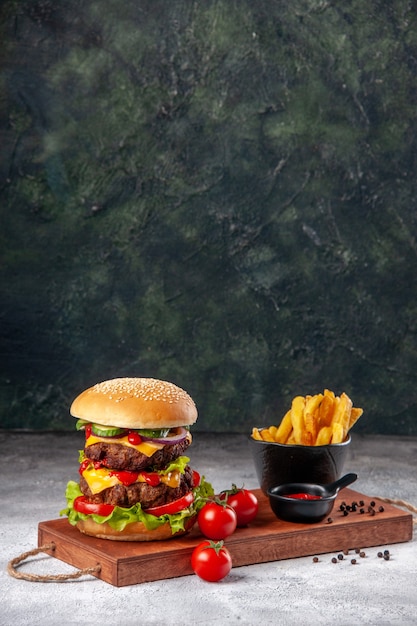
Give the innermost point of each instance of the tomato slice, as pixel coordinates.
(196, 479)
(172, 507)
(82, 505)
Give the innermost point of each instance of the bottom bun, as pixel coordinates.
(136, 531)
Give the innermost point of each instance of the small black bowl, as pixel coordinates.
(279, 463)
(299, 510)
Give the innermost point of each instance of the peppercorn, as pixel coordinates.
(340, 557)
(381, 509)
(362, 511)
(345, 513)
(362, 554)
(372, 503)
(334, 560)
(380, 555)
(386, 557)
(315, 559)
(329, 520)
(353, 561)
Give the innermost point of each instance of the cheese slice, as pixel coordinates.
(100, 479)
(148, 448)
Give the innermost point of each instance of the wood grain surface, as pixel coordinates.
(266, 539)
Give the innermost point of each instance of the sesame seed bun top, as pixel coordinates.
(135, 403)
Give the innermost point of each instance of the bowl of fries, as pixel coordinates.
(310, 444)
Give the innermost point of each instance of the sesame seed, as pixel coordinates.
(147, 389)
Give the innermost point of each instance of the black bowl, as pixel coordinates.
(279, 463)
(300, 510)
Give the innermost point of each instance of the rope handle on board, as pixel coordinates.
(11, 568)
(12, 565)
(403, 503)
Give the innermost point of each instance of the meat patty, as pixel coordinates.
(147, 495)
(120, 457)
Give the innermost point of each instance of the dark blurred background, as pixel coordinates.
(221, 194)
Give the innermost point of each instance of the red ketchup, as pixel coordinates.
(303, 496)
(128, 478)
(125, 477)
(134, 438)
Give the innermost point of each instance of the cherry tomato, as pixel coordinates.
(211, 561)
(172, 507)
(244, 502)
(82, 505)
(217, 520)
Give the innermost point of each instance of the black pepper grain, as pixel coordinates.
(334, 560)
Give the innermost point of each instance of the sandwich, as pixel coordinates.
(135, 482)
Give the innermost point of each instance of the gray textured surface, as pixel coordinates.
(35, 469)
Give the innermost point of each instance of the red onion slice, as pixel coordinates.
(179, 436)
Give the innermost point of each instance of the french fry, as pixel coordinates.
(284, 429)
(354, 416)
(324, 436)
(266, 435)
(319, 419)
(310, 419)
(297, 417)
(273, 432)
(256, 434)
(338, 433)
(326, 410)
(342, 413)
(307, 437)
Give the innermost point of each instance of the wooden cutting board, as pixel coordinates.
(266, 539)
